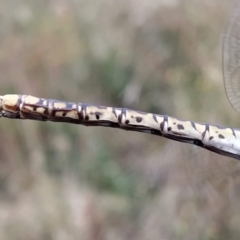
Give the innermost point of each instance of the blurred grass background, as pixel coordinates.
(62, 181)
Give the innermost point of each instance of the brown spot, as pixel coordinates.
(169, 129)
(180, 127)
(221, 136)
(132, 116)
(211, 138)
(174, 123)
(64, 114)
(97, 114)
(139, 119)
(127, 121)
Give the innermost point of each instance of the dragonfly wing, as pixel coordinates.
(231, 60)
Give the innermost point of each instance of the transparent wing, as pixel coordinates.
(231, 60)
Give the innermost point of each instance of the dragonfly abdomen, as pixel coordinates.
(225, 141)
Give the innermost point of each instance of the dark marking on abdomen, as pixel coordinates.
(193, 125)
(155, 118)
(97, 115)
(233, 133)
(165, 119)
(82, 112)
(138, 119)
(180, 127)
(114, 112)
(221, 136)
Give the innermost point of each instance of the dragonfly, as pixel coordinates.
(215, 138)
